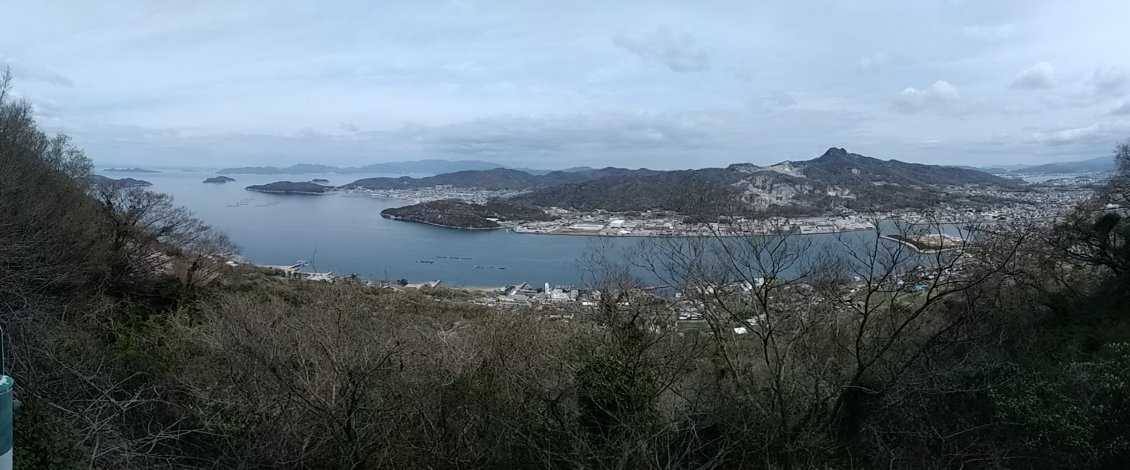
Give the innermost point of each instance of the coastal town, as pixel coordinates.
(1041, 201)
(963, 206)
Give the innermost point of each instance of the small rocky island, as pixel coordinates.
(458, 214)
(219, 179)
(291, 187)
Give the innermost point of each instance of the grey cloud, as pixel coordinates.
(873, 62)
(675, 49)
(744, 74)
(1110, 80)
(1122, 108)
(218, 73)
(940, 93)
(48, 109)
(656, 140)
(514, 135)
(23, 72)
(1097, 134)
(1041, 75)
(995, 32)
(777, 100)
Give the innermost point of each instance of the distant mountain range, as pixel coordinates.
(1094, 165)
(836, 179)
(130, 170)
(416, 167)
(494, 179)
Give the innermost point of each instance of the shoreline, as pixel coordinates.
(911, 244)
(407, 219)
(720, 235)
(300, 193)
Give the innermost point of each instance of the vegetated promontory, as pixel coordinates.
(464, 215)
(291, 187)
(835, 180)
(219, 179)
(123, 182)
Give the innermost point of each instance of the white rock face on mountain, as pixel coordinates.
(767, 188)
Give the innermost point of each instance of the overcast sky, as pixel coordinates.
(556, 84)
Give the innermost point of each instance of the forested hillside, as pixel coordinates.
(135, 344)
(835, 180)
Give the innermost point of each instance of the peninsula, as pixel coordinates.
(122, 182)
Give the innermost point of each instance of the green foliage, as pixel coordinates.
(616, 395)
(1074, 415)
(44, 440)
(291, 187)
(140, 343)
(459, 214)
(104, 290)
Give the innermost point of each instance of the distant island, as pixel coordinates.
(126, 182)
(291, 187)
(421, 166)
(320, 180)
(130, 170)
(463, 215)
(219, 179)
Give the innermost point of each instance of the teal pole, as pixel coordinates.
(6, 384)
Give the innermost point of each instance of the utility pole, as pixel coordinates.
(6, 384)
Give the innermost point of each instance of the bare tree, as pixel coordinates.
(150, 235)
(810, 334)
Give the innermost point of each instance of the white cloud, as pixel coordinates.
(1041, 75)
(940, 93)
(994, 32)
(873, 62)
(675, 49)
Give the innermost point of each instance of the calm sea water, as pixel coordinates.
(346, 234)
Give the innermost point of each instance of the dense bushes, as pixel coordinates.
(135, 346)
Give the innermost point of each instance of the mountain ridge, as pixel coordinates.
(1091, 165)
(836, 180)
(416, 166)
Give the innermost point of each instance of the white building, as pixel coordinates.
(588, 227)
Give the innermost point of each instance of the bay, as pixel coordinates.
(344, 233)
